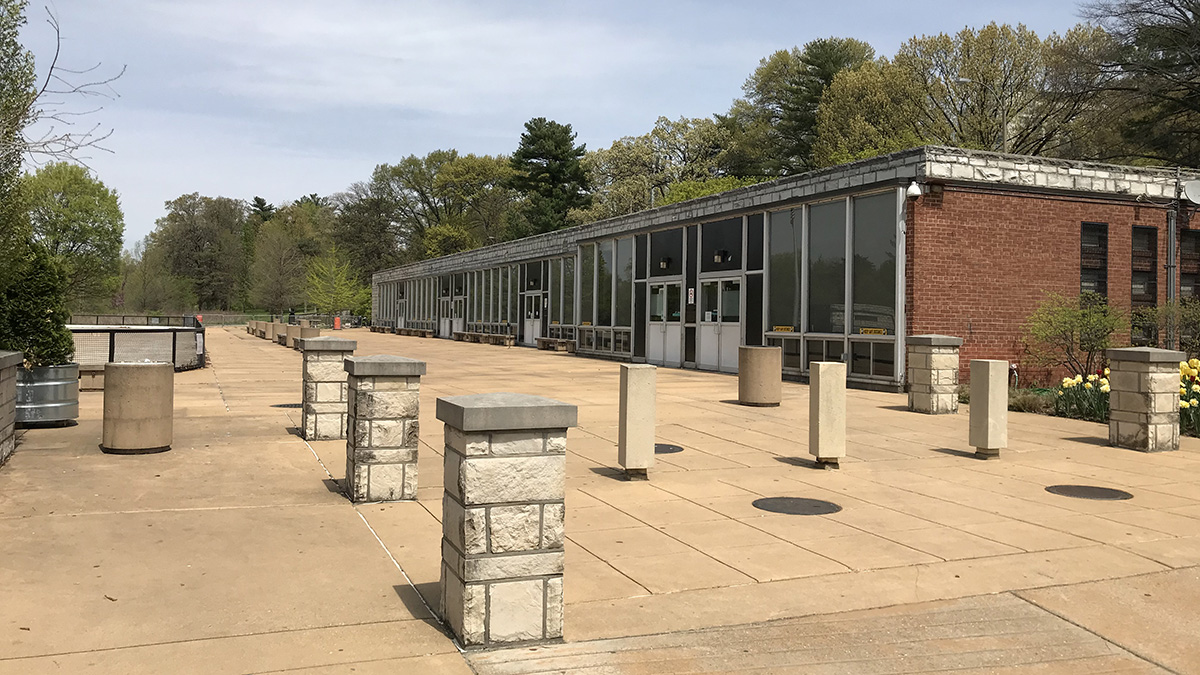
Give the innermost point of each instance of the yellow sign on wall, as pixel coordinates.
(872, 331)
(783, 329)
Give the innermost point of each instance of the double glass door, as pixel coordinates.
(450, 317)
(533, 318)
(664, 339)
(720, 325)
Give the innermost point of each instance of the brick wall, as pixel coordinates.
(981, 261)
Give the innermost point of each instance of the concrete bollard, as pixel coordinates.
(139, 408)
(323, 393)
(306, 334)
(9, 362)
(293, 334)
(760, 376)
(1144, 398)
(989, 407)
(827, 412)
(503, 516)
(933, 374)
(270, 328)
(636, 419)
(385, 404)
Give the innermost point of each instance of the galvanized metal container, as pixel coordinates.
(48, 395)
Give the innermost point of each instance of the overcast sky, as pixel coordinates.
(282, 98)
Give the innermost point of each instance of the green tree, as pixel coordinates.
(278, 277)
(1072, 332)
(548, 172)
(694, 189)
(364, 229)
(1153, 66)
(17, 96)
(261, 208)
(332, 284)
(202, 240)
(78, 220)
(480, 184)
(33, 311)
(147, 285)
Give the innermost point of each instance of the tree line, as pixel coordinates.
(1122, 87)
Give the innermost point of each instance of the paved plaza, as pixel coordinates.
(236, 552)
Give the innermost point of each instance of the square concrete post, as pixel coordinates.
(9, 362)
(827, 412)
(324, 395)
(933, 374)
(989, 407)
(1144, 398)
(293, 332)
(502, 517)
(381, 451)
(306, 334)
(636, 415)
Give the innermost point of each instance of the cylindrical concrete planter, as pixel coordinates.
(48, 395)
(760, 376)
(139, 400)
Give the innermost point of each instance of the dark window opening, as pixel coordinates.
(1093, 258)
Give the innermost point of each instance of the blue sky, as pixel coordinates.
(282, 98)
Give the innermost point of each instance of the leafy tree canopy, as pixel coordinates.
(548, 172)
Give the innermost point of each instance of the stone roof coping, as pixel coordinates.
(1145, 354)
(505, 412)
(327, 344)
(384, 365)
(10, 359)
(934, 340)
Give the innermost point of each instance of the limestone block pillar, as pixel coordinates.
(636, 415)
(989, 407)
(933, 374)
(502, 517)
(1144, 398)
(9, 362)
(760, 376)
(827, 412)
(324, 396)
(381, 451)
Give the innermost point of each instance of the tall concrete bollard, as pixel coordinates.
(760, 376)
(989, 407)
(293, 334)
(636, 419)
(933, 374)
(385, 404)
(323, 393)
(827, 412)
(1144, 398)
(502, 517)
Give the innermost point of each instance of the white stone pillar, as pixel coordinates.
(827, 412)
(502, 517)
(1144, 398)
(989, 407)
(383, 428)
(9, 362)
(933, 374)
(636, 414)
(323, 392)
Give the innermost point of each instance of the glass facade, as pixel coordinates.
(587, 280)
(604, 279)
(874, 281)
(827, 268)
(624, 272)
(786, 257)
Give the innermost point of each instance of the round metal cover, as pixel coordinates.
(1089, 492)
(666, 449)
(796, 506)
(287, 405)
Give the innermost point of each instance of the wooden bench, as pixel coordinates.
(556, 344)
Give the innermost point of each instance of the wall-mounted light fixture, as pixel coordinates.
(721, 256)
(914, 190)
(664, 263)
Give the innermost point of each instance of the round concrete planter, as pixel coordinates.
(48, 395)
(760, 376)
(139, 401)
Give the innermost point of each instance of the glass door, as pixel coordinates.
(533, 318)
(664, 338)
(720, 329)
(445, 324)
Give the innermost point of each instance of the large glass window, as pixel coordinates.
(827, 268)
(604, 283)
(786, 249)
(587, 275)
(554, 288)
(514, 283)
(874, 289)
(568, 291)
(1093, 258)
(624, 272)
(722, 242)
(666, 252)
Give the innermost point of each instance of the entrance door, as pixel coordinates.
(459, 324)
(401, 312)
(533, 318)
(720, 332)
(445, 324)
(664, 337)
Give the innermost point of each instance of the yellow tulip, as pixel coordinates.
(1183, 404)
(1106, 372)
(1194, 363)
(1091, 377)
(1078, 379)
(1183, 365)
(1060, 392)
(1088, 385)
(1104, 388)
(1104, 380)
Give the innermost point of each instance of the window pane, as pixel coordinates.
(722, 242)
(513, 290)
(860, 358)
(708, 301)
(885, 359)
(673, 298)
(658, 303)
(827, 268)
(587, 311)
(666, 252)
(731, 301)
(604, 281)
(783, 312)
(874, 290)
(624, 272)
(568, 290)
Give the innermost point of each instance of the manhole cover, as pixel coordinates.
(1089, 492)
(666, 449)
(287, 405)
(796, 506)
